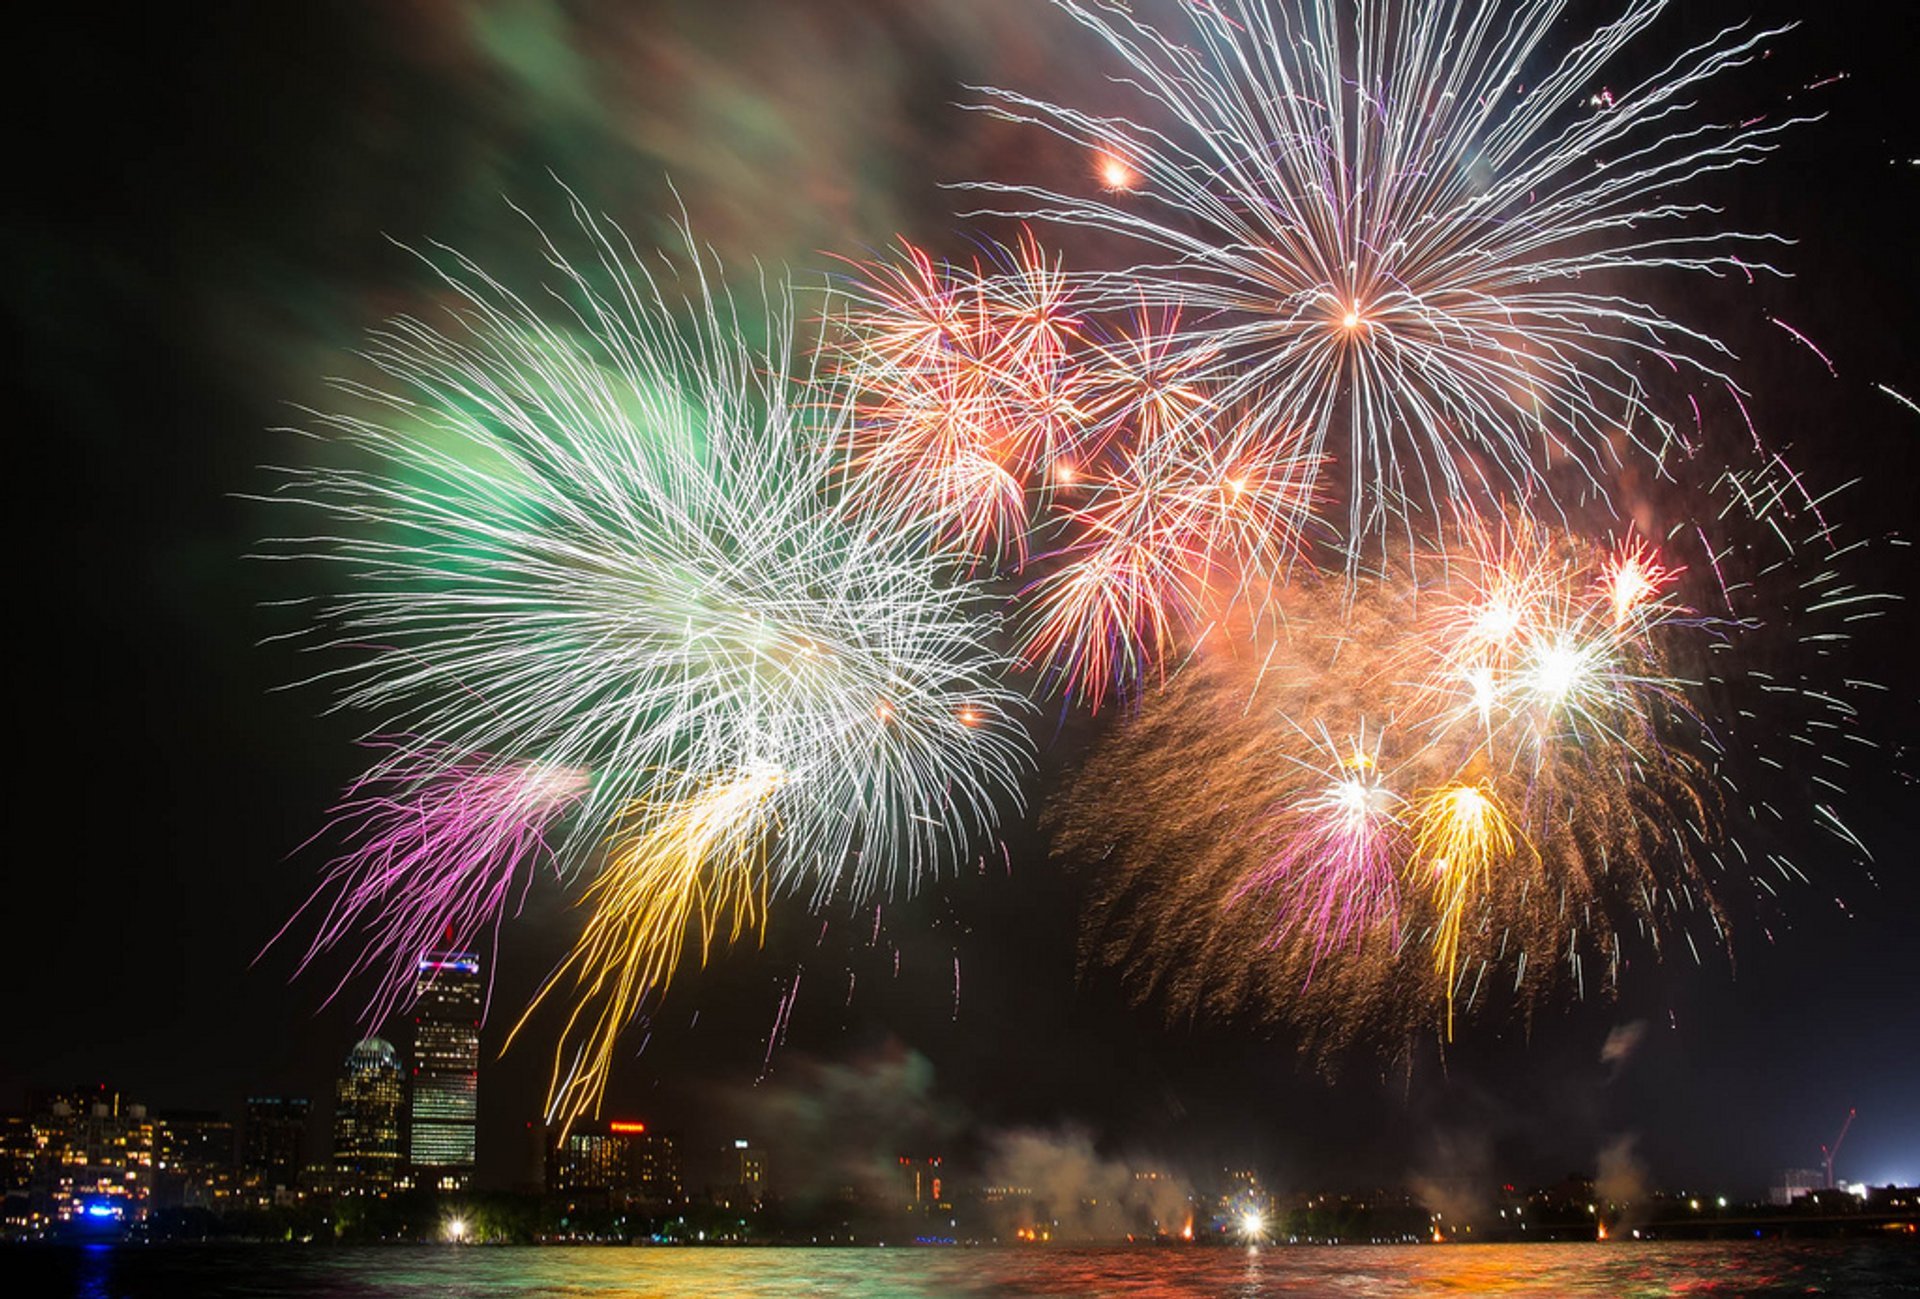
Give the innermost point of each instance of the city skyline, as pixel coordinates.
(89, 1163)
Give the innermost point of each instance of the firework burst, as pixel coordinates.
(616, 539)
(1394, 238)
(1170, 539)
(965, 383)
(1458, 766)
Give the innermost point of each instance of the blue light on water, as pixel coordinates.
(103, 1210)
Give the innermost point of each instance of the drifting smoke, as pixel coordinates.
(838, 1129)
(1059, 1181)
(1454, 1178)
(1620, 1045)
(1620, 1183)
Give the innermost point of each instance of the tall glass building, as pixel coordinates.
(446, 1069)
(368, 1102)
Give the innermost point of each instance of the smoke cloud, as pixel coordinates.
(1456, 1179)
(1620, 1179)
(1620, 1045)
(1060, 1181)
(835, 1129)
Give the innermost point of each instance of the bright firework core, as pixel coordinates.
(1355, 797)
(1115, 174)
(1497, 621)
(1557, 670)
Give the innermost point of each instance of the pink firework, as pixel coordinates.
(1331, 877)
(435, 852)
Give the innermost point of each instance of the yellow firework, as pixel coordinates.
(1461, 834)
(696, 864)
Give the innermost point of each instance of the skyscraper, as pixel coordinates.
(366, 1119)
(446, 1069)
(274, 1143)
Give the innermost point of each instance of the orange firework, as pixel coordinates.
(1518, 774)
(966, 381)
(1165, 542)
(1632, 576)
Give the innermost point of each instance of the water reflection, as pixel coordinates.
(1635, 1271)
(93, 1272)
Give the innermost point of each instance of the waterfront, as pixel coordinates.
(1865, 1269)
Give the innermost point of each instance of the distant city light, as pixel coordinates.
(456, 1230)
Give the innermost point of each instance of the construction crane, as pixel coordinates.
(1833, 1150)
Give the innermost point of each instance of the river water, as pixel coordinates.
(1868, 1269)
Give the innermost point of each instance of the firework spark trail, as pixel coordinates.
(1462, 835)
(435, 852)
(1904, 400)
(782, 1018)
(695, 865)
(615, 535)
(1383, 235)
(1807, 343)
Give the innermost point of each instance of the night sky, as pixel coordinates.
(210, 199)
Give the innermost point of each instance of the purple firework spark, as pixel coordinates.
(435, 848)
(1332, 873)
